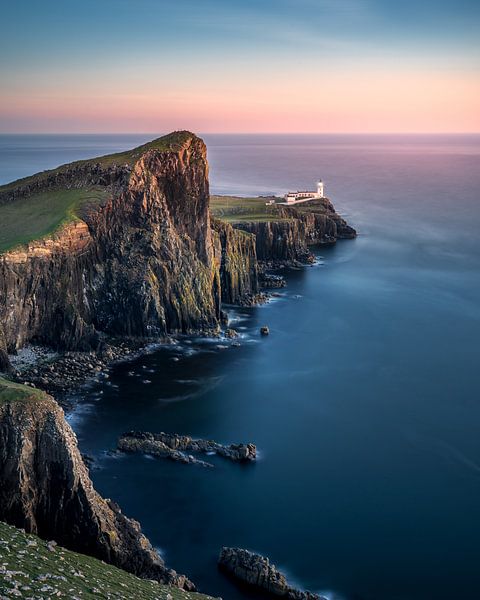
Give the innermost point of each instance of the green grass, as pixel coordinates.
(16, 392)
(29, 218)
(39, 215)
(27, 565)
(233, 209)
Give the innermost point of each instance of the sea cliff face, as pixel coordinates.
(140, 264)
(236, 262)
(46, 488)
(292, 229)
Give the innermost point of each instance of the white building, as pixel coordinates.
(303, 196)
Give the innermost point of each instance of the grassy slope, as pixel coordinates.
(16, 392)
(34, 217)
(236, 210)
(41, 214)
(27, 565)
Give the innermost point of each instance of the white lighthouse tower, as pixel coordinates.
(320, 189)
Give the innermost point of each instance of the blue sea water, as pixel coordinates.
(364, 400)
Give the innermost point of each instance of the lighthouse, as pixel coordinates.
(320, 189)
(304, 196)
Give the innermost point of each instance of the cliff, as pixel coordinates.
(290, 230)
(46, 488)
(139, 262)
(236, 261)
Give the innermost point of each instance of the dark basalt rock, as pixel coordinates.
(175, 447)
(257, 571)
(287, 237)
(143, 264)
(231, 333)
(271, 281)
(46, 489)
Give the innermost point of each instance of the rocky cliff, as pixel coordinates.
(291, 230)
(140, 263)
(46, 488)
(236, 261)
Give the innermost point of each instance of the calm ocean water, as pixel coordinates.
(363, 400)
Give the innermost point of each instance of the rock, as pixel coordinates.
(257, 571)
(287, 236)
(175, 447)
(264, 330)
(231, 333)
(269, 280)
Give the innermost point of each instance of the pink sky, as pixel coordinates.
(377, 101)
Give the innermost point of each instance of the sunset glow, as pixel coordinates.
(306, 66)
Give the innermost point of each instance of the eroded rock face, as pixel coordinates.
(45, 489)
(287, 239)
(257, 571)
(175, 447)
(236, 260)
(140, 264)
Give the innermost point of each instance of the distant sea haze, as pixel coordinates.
(363, 400)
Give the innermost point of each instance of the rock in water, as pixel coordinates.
(264, 330)
(174, 446)
(231, 333)
(257, 571)
(45, 489)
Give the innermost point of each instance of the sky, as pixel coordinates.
(305, 66)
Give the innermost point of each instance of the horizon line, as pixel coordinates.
(242, 132)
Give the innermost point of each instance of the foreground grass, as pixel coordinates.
(39, 215)
(28, 569)
(236, 210)
(16, 392)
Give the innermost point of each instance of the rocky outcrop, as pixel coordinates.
(288, 235)
(236, 261)
(283, 241)
(46, 488)
(5, 365)
(176, 447)
(140, 263)
(258, 572)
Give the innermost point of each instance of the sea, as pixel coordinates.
(364, 400)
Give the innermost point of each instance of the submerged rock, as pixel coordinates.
(231, 333)
(257, 571)
(175, 447)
